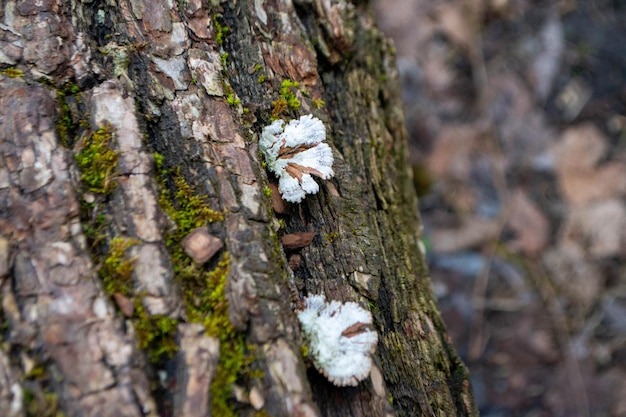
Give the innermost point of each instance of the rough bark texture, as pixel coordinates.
(96, 295)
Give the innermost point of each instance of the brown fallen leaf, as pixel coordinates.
(278, 204)
(451, 158)
(295, 241)
(583, 187)
(531, 227)
(355, 330)
(580, 148)
(578, 280)
(457, 21)
(473, 232)
(601, 225)
(579, 177)
(522, 130)
(200, 245)
(124, 304)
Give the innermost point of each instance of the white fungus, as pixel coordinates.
(341, 342)
(296, 152)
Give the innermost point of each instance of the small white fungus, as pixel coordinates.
(341, 342)
(296, 152)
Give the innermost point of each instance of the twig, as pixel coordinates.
(477, 341)
(561, 329)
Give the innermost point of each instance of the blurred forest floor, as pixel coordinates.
(516, 110)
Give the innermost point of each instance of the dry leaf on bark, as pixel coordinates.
(295, 241)
(200, 245)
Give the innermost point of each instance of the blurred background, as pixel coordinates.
(516, 112)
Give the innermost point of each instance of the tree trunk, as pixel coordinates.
(125, 126)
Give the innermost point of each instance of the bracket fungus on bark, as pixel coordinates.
(294, 153)
(340, 339)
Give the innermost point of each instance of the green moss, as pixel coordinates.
(286, 91)
(37, 372)
(224, 59)
(119, 55)
(184, 207)
(233, 100)
(279, 108)
(38, 400)
(203, 290)
(318, 103)
(331, 236)
(28, 397)
(158, 163)
(287, 99)
(12, 72)
(73, 88)
(206, 303)
(304, 351)
(41, 404)
(4, 326)
(116, 273)
(97, 162)
(267, 191)
(205, 298)
(94, 224)
(156, 334)
(374, 307)
(261, 79)
(221, 31)
(66, 127)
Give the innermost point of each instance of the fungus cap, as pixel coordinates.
(340, 339)
(294, 153)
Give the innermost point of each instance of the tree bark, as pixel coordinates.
(124, 126)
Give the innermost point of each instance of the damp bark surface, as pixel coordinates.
(142, 266)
